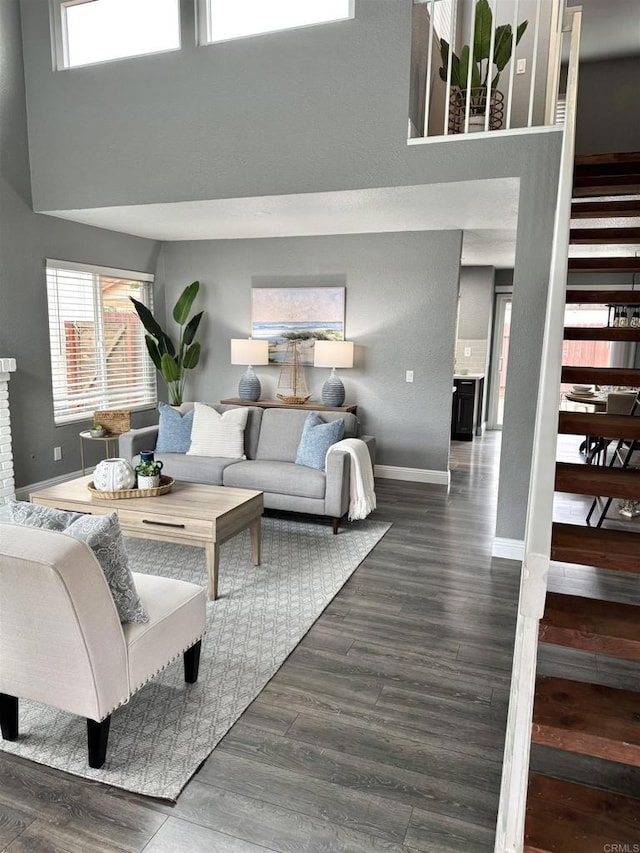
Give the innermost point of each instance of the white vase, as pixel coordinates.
(111, 475)
(148, 482)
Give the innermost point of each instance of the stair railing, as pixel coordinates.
(537, 545)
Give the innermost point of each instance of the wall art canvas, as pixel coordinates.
(302, 314)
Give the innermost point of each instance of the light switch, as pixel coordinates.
(467, 352)
(409, 376)
(521, 66)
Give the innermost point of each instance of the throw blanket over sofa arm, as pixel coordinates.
(131, 443)
(337, 493)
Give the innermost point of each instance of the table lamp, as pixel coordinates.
(249, 351)
(333, 354)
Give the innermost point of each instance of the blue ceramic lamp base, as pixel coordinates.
(249, 387)
(333, 390)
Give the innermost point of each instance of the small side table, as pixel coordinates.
(85, 435)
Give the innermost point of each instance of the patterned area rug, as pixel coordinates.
(159, 739)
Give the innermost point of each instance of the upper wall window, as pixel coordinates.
(230, 19)
(89, 31)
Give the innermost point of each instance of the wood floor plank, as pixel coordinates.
(293, 790)
(438, 834)
(461, 798)
(283, 830)
(13, 823)
(182, 835)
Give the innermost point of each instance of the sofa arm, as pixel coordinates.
(336, 496)
(131, 443)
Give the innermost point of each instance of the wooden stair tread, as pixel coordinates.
(599, 209)
(586, 161)
(590, 719)
(587, 186)
(627, 376)
(616, 264)
(603, 297)
(607, 426)
(597, 480)
(564, 817)
(603, 236)
(596, 546)
(602, 627)
(601, 333)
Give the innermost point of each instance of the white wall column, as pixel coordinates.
(7, 483)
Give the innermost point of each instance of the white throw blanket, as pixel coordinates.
(362, 496)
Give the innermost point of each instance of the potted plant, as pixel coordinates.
(483, 88)
(97, 430)
(170, 359)
(148, 474)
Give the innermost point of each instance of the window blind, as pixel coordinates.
(99, 357)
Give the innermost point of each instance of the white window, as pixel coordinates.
(98, 353)
(88, 31)
(230, 19)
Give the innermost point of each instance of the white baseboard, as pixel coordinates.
(22, 494)
(413, 475)
(509, 549)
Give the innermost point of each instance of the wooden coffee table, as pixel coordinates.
(190, 513)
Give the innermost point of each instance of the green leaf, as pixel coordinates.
(152, 349)
(482, 31)
(455, 66)
(191, 356)
(520, 31)
(502, 50)
(170, 370)
(184, 303)
(191, 328)
(165, 344)
(147, 318)
(464, 67)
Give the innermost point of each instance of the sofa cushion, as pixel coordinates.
(281, 432)
(194, 469)
(174, 429)
(317, 438)
(218, 434)
(34, 515)
(284, 478)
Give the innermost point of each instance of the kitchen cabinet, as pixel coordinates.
(466, 410)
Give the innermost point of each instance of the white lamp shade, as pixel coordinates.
(333, 354)
(249, 351)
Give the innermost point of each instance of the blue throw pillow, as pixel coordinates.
(317, 438)
(174, 434)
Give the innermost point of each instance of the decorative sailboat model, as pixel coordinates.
(292, 385)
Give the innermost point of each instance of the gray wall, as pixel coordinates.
(26, 240)
(476, 302)
(608, 117)
(321, 108)
(401, 296)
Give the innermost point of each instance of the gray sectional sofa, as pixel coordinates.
(271, 442)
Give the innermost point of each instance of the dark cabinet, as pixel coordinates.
(466, 413)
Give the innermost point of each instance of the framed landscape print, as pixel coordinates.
(303, 314)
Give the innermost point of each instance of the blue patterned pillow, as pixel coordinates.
(174, 434)
(317, 438)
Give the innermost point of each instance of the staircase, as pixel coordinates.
(570, 716)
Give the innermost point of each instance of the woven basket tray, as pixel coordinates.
(165, 486)
(115, 421)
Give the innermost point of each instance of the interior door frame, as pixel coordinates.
(501, 297)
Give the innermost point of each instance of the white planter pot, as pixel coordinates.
(148, 482)
(111, 475)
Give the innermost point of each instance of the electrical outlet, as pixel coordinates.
(521, 66)
(467, 352)
(409, 376)
(57, 454)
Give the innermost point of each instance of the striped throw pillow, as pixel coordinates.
(215, 434)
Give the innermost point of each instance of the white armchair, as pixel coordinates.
(62, 643)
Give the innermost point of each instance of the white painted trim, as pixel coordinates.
(132, 275)
(508, 549)
(413, 475)
(485, 134)
(22, 494)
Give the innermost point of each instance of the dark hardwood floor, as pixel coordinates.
(383, 731)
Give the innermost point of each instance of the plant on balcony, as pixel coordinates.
(481, 69)
(170, 359)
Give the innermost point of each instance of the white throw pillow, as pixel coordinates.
(215, 434)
